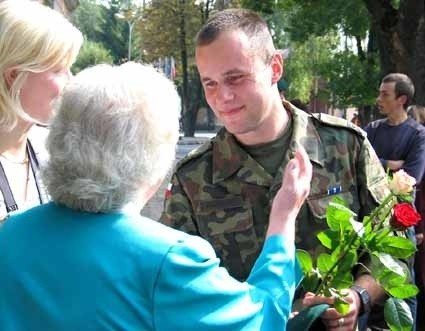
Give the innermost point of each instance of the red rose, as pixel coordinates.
(404, 216)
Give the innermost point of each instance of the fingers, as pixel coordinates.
(310, 299)
(331, 317)
(291, 196)
(298, 174)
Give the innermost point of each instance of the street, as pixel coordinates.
(154, 207)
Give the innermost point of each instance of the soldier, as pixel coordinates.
(223, 190)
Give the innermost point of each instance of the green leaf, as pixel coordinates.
(403, 291)
(342, 280)
(350, 259)
(396, 246)
(397, 315)
(405, 197)
(305, 260)
(380, 260)
(358, 227)
(338, 215)
(341, 305)
(390, 279)
(368, 233)
(324, 263)
(329, 238)
(311, 281)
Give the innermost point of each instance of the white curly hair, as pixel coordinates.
(113, 137)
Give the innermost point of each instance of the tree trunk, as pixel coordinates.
(185, 83)
(400, 36)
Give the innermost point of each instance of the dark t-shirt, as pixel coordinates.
(405, 141)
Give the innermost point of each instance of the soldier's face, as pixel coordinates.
(238, 84)
(387, 100)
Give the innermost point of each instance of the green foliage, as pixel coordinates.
(303, 67)
(396, 316)
(91, 53)
(351, 80)
(347, 241)
(99, 24)
(160, 29)
(321, 17)
(88, 17)
(264, 7)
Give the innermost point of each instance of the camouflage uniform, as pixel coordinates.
(220, 193)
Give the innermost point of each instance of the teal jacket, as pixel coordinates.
(67, 270)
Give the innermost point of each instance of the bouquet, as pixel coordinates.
(347, 240)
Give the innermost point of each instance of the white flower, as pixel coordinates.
(401, 183)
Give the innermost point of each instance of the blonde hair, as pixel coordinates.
(113, 137)
(417, 113)
(33, 38)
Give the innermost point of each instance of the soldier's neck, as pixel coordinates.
(269, 130)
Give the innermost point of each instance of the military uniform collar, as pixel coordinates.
(229, 158)
(305, 134)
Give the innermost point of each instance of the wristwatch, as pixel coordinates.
(365, 304)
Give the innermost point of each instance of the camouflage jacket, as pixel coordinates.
(220, 193)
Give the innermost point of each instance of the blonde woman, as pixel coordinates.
(37, 47)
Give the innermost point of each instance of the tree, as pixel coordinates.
(168, 29)
(400, 33)
(99, 24)
(90, 54)
(388, 34)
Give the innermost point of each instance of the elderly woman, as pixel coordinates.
(37, 48)
(89, 261)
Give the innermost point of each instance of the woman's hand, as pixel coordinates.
(291, 196)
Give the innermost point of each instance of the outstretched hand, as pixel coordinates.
(291, 196)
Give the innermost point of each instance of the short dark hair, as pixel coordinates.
(403, 86)
(247, 21)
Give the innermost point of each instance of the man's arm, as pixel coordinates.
(414, 164)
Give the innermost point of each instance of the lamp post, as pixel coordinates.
(131, 17)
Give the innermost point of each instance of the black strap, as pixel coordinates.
(35, 167)
(9, 200)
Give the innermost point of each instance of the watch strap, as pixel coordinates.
(365, 304)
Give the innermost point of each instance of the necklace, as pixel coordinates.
(4, 157)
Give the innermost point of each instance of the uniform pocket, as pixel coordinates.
(226, 215)
(228, 225)
(317, 204)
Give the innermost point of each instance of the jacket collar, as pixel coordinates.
(229, 158)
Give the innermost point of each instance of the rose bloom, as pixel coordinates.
(404, 216)
(401, 183)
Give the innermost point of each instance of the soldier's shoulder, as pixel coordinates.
(199, 153)
(337, 122)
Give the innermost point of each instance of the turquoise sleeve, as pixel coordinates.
(192, 292)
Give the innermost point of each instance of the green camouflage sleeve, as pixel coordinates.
(373, 188)
(372, 179)
(178, 212)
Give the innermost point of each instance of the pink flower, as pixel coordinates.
(402, 183)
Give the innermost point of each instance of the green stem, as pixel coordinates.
(376, 211)
(346, 248)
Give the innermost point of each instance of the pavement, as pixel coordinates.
(155, 205)
(199, 138)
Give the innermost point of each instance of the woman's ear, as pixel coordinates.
(10, 75)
